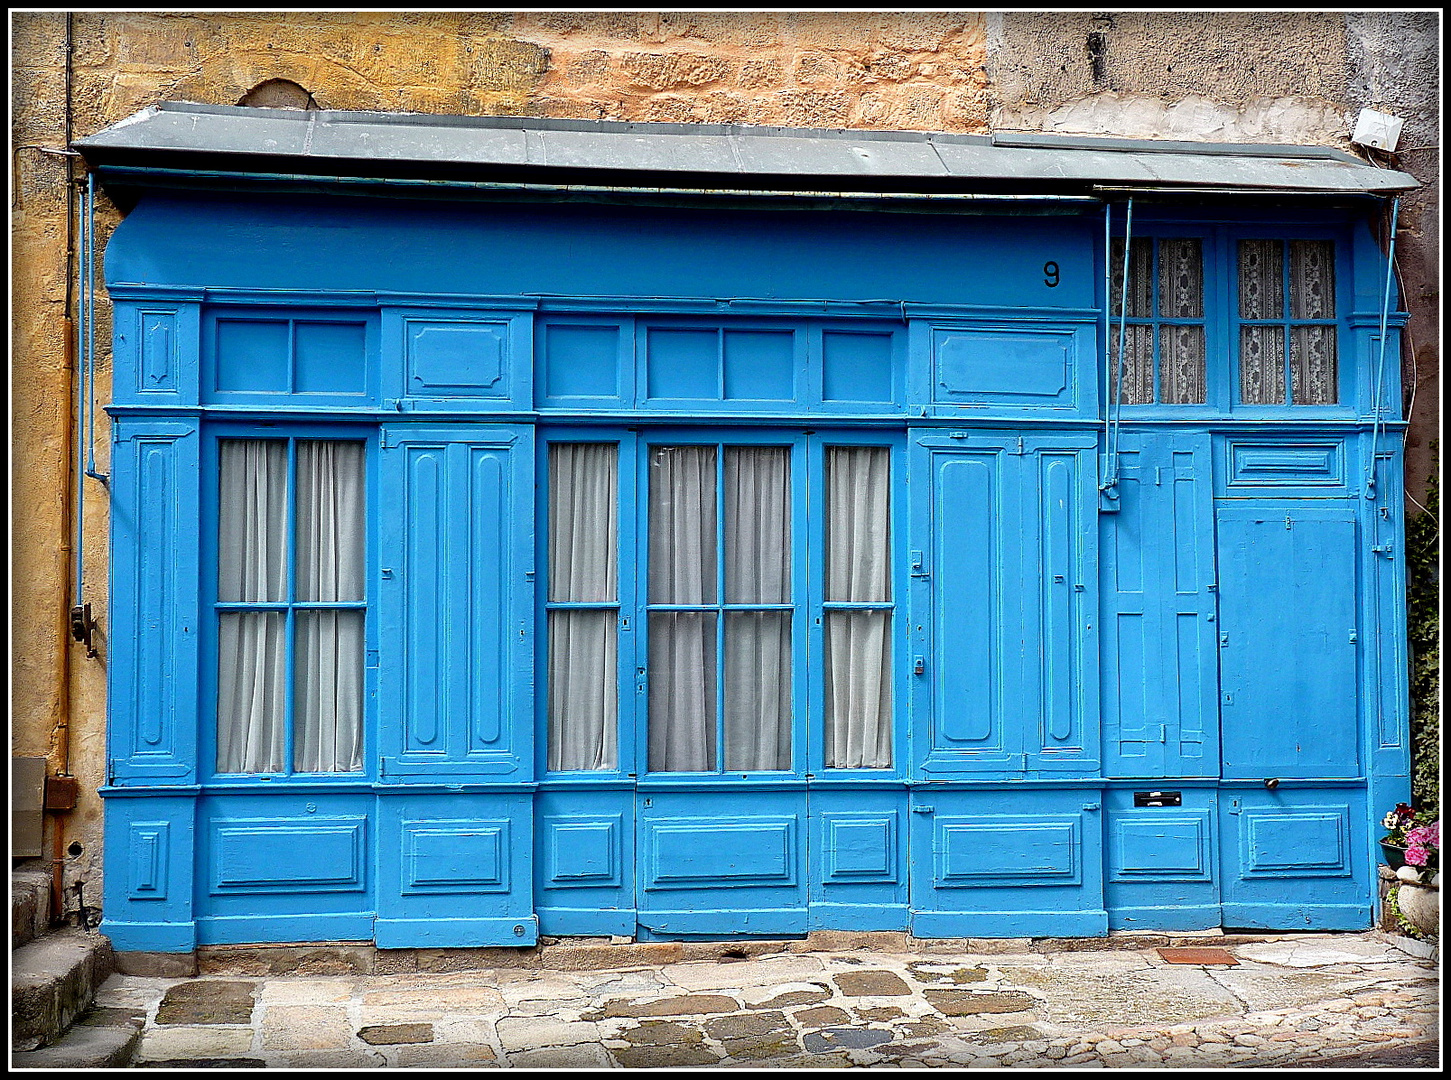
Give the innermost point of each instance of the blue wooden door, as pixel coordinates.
(454, 828)
(1289, 641)
(1004, 607)
(721, 837)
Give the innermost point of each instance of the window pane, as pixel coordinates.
(1181, 364)
(1136, 378)
(330, 520)
(682, 525)
(858, 547)
(1262, 365)
(328, 692)
(583, 690)
(251, 691)
(682, 677)
(1312, 365)
(858, 689)
(252, 521)
(858, 684)
(757, 690)
(1140, 283)
(758, 524)
(1312, 279)
(1261, 279)
(583, 521)
(1181, 279)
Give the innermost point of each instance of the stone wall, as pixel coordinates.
(1234, 76)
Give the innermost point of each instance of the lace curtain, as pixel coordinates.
(1312, 349)
(1180, 295)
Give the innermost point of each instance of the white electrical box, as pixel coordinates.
(1377, 129)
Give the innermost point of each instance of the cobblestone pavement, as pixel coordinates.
(1331, 1000)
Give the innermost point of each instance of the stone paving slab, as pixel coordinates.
(1291, 1000)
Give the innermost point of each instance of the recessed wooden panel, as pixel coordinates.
(859, 847)
(582, 362)
(329, 358)
(1002, 365)
(159, 356)
(455, 856)
(458, 359)
(1007, 852)
(857, 367)
(759, 365)
(253, 356)
(582, 852)
(1305, 841)
(1309, 463)
(148, 848)
(279, 855)
(1160, 846)
(710, 853)
(681, 363)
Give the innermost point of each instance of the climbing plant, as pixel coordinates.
(1423, 587)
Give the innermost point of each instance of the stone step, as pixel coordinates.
(53, 981)
(29, 904)
(100, 1040)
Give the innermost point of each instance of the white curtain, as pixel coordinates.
(252, 568)
(858, 642)
(682, 571)
(328, 643)
(583, 648)
(757, 643)
(328, 655)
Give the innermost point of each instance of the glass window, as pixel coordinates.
(719, 570)
(583, 605)
(1287, 328)
(858, 608)
(1161, 320)
(290, 606)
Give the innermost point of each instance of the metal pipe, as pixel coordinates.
(1116, 385)
(1385, 303)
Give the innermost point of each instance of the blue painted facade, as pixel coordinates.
(1224, 623)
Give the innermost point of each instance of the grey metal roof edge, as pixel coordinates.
(1048, 140)
(566, 146)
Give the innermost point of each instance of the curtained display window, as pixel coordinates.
(729, 589)
(290, 605)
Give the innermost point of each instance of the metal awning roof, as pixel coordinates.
(200, 140)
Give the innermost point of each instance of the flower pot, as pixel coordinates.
(1395, 856)
(1421, 905)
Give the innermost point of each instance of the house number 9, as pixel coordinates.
(1050, 274)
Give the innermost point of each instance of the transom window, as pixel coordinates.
(1287, 326)
(1162, 321)
(290, 605)
(749, 554)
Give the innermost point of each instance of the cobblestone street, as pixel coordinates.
(1320, 999)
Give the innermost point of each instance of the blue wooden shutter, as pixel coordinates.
(1006, 527)
(1160, 685)
(456, 603)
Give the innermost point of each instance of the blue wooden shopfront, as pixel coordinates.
(497, 553)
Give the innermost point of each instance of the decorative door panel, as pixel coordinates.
(1289, 641)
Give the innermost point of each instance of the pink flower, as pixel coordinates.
(1416, 856)
(1425, 836)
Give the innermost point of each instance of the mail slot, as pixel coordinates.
(1157, 798)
